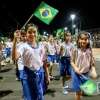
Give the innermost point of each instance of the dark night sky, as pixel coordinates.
(15, 13)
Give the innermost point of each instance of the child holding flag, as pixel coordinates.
(81, 61)
(33, 74)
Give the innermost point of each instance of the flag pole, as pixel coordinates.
(27, 21)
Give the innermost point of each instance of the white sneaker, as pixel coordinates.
(65, 91)
(17, 79)
(66, 87)
(51, 77)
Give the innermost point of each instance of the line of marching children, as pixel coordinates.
(33, 59)
(5, 52)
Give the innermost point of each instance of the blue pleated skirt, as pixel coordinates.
(32, 83)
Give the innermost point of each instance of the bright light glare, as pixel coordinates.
(72, 16)
(65, 28)
(74, 26)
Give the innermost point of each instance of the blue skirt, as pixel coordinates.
(65, 66)
(8, 51)
(51, 58)
(77, 80)
(32, 82)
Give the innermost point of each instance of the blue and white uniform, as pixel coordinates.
(65, 67)
(51, 52)
(33, 76)
(83, 60)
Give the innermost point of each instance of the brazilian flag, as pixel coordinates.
(89, 87)
(45, 13)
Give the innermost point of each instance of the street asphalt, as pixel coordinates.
(10, 89)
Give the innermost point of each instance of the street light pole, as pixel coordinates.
(72, 27)
(80, 25)
(72, 16)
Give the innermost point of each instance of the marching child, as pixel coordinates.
(81, 61)
(32, 56)
(65, 53)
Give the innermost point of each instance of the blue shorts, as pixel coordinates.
(32, 82)
(77, 80)
(8, 51)
(51, 58)
(65, 66)
(57, 58)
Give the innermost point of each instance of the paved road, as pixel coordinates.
(96, 53)
(10, 89)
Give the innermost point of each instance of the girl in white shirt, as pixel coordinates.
(51, 49)
(32, 54)
(65, 53)
(81, 60)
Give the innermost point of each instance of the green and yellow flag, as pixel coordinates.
(60, 30)
(89, 87)
(45, 13)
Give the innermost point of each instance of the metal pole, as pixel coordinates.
(27, 21)
(80, 25)
(72, 27)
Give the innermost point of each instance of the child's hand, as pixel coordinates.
(77, 71)
(16, 35)
(82, 70)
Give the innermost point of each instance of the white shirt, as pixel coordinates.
(20, 62)
(67, 49)
(32, 57)
(84, 60)
(51, 49)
